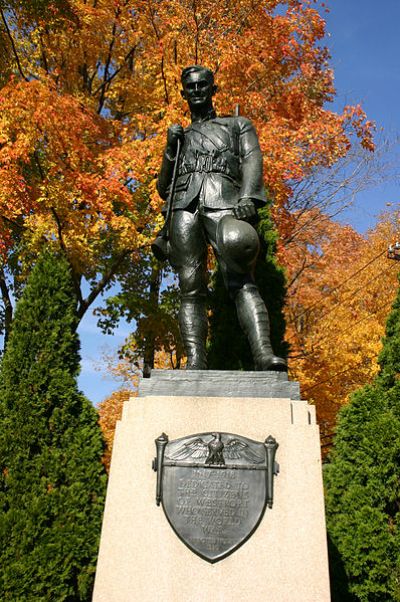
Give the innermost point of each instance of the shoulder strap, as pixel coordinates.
(216, 140)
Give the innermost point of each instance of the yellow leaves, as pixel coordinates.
(336, 323)
(110, 411)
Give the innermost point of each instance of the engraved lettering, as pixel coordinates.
(213, 505)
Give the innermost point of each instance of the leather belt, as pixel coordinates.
(206, 164)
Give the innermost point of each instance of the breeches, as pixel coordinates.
(190, 233)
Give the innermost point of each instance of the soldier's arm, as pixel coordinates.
(175, 132)
(165, 175)
(252, 185)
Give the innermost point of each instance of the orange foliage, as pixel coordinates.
(65, 182)
(336, 315)
(83, 131)
(110, 411)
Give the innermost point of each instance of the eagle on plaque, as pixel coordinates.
(215, 451)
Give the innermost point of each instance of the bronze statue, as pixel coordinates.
(211, 177)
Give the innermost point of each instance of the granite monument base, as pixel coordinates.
(141, 559)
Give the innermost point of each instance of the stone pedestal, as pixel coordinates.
(285, 560)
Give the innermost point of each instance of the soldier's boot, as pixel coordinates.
(193, 327)
(254, 320)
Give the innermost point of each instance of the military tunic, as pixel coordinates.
(220, 164)
(221, 157)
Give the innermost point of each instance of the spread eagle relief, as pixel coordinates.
(212, 181)
(214, 451)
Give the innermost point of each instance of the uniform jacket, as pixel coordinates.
(220, 157)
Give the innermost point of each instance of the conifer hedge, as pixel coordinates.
(363, 484)
(52, 482)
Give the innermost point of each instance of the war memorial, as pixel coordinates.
(215, 489)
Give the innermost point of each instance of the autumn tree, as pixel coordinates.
(151, 308)
(362, 480)
(89, 89)
(336, 314)
(52, 481)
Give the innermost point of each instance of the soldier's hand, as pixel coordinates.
(245, 210)
(175, 133)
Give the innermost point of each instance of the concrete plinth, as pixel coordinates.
(285, 560)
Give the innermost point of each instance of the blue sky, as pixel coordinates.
(365, 48)
(364, 44)
(94, 380)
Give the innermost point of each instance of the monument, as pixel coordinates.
(235, 455)
(212, 178)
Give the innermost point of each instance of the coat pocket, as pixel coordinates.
(183, 182)
(181, 185)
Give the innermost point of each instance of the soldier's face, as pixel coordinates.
(198, 90)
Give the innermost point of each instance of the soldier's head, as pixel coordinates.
(198, 87)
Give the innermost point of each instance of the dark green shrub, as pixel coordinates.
(363, 482)
(52, 482)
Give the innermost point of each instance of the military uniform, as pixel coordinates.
(220, 165)
(221, 162)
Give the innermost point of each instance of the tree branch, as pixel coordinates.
(196, 41)
(299, 272)
(59, 228)
(75, 279)
(44, 57)
(101, 284)
(104, 84)
(108, 61)
(13, 46)
(164, 78)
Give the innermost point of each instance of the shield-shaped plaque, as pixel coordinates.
(214, 488)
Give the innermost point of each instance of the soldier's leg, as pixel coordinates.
(251, 310)
(254, 320)
(188, 256)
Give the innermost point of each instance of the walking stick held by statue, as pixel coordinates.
(160, 244)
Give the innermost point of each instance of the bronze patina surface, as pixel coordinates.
(211, 178)
(214, 489)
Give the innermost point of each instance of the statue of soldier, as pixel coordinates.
(217, 189)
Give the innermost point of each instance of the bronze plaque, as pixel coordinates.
(214, 488)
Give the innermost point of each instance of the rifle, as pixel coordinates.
(160, 244)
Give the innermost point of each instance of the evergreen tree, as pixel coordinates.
(52, 482)
(228, 346)
(363, 483)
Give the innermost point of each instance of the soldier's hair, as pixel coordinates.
(196, 69)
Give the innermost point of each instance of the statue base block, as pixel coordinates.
(141, 559)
